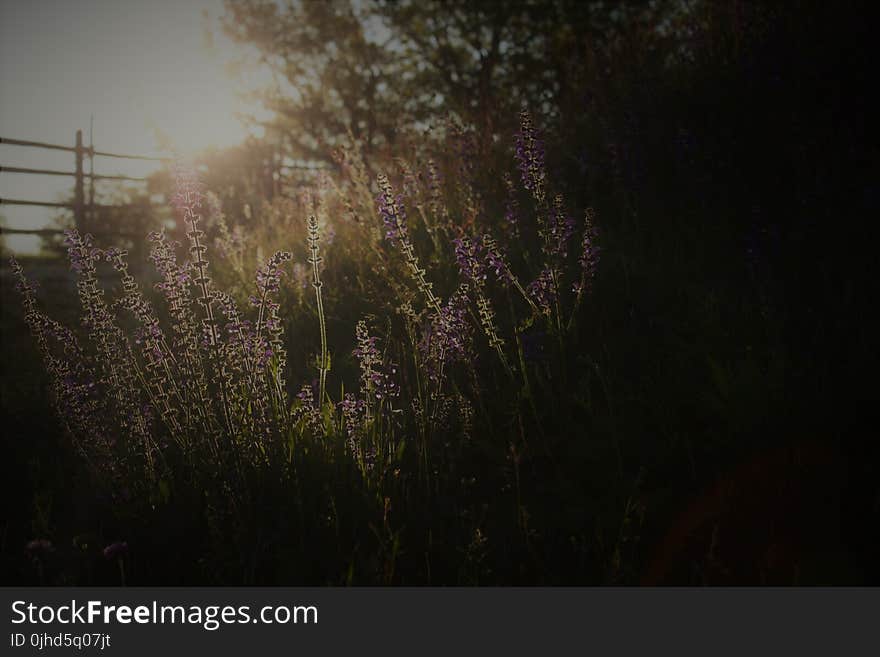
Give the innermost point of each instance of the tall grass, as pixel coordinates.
(181, 396)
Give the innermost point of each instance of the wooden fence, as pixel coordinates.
(84, 206)
(81, 205)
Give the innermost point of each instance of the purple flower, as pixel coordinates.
(543, 290)
(354, 418)
(496, 261)
(376, 382)
(530, 155)
(39, 547)
(469, 256)
(306, 394)
(435, 190)
(392, 211)
(269, 276)
(448, 337)
(557, 232)
(80, 251)
(589, 257)
(116, 550)
(352, 410)
(309, 410)
(511, 210)
(268, 283)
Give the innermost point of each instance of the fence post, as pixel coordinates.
(79, 188)
(91, 213)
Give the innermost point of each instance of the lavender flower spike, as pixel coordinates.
(589, 257)
(115, 550)
(530, 155)
(393, 216)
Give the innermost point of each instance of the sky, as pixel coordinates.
(143, 70)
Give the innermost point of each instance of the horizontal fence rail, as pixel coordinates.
(131, 157)
(52, 232)
(50, 172)
(70, 206)
(80, 205)
(37, 144)
(83, 206)
(46, 204)
(87, 150)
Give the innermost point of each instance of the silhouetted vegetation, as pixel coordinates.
(620, 337)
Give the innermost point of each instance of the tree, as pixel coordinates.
(335, 72)
(374, 69)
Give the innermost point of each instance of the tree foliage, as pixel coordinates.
(376, 68)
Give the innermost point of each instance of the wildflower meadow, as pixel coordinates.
(564, 307)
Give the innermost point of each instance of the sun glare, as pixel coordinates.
(135, 80)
